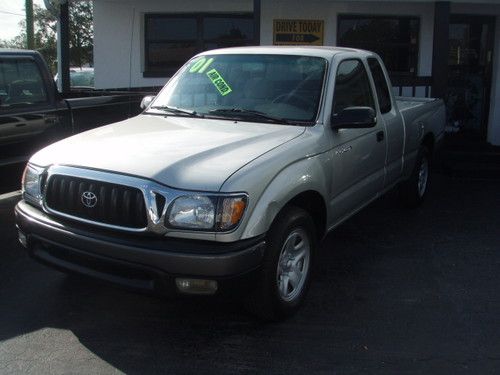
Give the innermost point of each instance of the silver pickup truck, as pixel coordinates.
(231, 176)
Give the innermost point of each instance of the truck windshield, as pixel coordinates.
(265, 88)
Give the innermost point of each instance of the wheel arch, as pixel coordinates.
(302, 184)
(314, 203)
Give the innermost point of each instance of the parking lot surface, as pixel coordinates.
(394, 292)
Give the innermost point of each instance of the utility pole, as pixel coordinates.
(63, 82)
(30, 32)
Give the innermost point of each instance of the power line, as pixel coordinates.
(12, 13)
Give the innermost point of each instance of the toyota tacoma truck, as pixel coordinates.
(232, 175)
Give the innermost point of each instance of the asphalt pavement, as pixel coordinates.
(394, 292)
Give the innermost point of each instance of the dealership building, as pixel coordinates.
(447, 49)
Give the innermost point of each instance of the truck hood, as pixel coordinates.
(185, 153)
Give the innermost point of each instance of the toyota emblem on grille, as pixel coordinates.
(89, 199)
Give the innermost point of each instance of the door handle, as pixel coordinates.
(380, 136)
(50, 120)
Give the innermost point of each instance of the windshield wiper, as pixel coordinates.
(242, 112)
(176, 110)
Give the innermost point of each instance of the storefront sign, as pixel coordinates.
(298, 32)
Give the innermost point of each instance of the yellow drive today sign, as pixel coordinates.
(298, 32)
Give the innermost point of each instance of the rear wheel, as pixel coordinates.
(286, 268)
(413, 191)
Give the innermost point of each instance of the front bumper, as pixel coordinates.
(137, 261)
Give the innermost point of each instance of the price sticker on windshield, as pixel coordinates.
(219, 82)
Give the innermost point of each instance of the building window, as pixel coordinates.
(395, 39)
(171, 40)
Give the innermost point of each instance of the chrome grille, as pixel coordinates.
(115, 204)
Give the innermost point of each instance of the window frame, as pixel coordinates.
(415, 61)
(199, 42)
(367, 76)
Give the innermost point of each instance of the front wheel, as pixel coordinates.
(286, 268)
(413, 190)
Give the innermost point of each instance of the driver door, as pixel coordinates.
(358, 155)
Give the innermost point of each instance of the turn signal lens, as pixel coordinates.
(23, 178)
(231, 212)
(30, 184)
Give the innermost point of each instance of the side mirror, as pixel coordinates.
(354, 118)
(146, 101)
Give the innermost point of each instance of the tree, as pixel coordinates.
(45, 35)
(16, 42)
(81, 33)
(80, 29)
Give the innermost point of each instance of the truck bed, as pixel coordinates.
(420, 116)
(405, 103)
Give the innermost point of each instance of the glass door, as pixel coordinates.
(469, 75)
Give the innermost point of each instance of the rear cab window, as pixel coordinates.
(383, 93)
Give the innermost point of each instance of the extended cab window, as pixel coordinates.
(20, 83)
(384, 97)
(352, 87)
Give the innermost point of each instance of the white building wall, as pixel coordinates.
(119, 36)
(119, 31)
(330, 10)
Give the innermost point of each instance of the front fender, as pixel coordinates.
(301, 176)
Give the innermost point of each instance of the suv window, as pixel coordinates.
(352, 86)
(384, 98)
(20, 83)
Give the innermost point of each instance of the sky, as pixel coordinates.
(11, 12)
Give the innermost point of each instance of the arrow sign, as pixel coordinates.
(298, 32)
(296, 38)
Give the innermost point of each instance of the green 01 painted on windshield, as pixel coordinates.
(219, 82)
(201, 65)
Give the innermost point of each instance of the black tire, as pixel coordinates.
(411, 192)
(266, 300)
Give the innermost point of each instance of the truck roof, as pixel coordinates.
(319, 51)
(17, 51)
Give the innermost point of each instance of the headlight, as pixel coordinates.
(194, 212)
(31, 184)
(209, 213)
